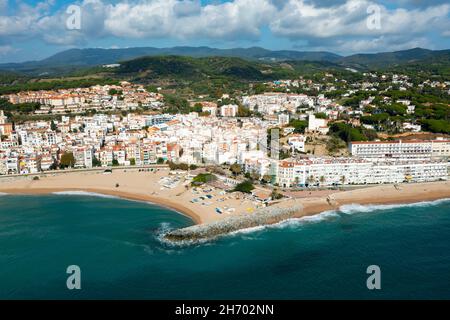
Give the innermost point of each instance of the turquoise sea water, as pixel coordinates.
(115, 242)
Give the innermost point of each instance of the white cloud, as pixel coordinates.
(187, 19)
(325, 24)
(7, 49)
(301, 19)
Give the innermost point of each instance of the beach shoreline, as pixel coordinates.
(180, 209)
(147, 187)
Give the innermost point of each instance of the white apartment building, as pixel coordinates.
(83, 157)
(229, 110)
(317, 125)
(3, 118)
(338, 171)
(3, 167)
(407, 149)
(297, 142)
(271, 102)
(283, 119)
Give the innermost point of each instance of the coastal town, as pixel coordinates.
(118, 133)
(191, 154)
(283, 148)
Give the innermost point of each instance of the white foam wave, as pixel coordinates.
(359, 208)
(289, 223)
(296, 222)
(84, 193)
(3, 194)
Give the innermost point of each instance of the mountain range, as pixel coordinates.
(74, 59)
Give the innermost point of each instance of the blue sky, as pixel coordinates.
(33, 30)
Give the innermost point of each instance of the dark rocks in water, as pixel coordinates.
(264, 216)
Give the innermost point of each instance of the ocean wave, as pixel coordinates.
(3, 194)
(289, 223)
(165, 228)
(359, 208)
(295, 222)
(84, 193)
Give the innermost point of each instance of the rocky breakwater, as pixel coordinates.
(204, 232)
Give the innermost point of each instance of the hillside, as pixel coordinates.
(84, 58)
(393, 59)
(187, 68)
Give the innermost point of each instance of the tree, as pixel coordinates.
(178, 166)
(152, 88)
(245, 187)
(322, 179)
(321, 115)
(254, 175)
(132, 162)
(276, 195)
(96, 162)
(198, 107)
(115, 162)
(243, 112)
(267, 178)
(113, 92)
(299, 125)
(203, 178)
(236, 169)
(53, 126)
(160, 161)
(67, 160)
(311, 179)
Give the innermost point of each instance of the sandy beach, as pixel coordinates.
(143, 186)
(200, 204)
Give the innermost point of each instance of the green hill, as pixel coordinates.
(393, 59)
(187, 68)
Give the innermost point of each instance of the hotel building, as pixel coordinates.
(338, 171)
(407, 149)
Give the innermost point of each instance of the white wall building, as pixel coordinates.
(317, 125)
(229, 110)
(338, 171)
(406, 149)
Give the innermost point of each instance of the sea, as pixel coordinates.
(119, 252)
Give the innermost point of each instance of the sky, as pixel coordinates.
(33, 30)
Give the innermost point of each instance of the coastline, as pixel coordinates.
(180, 209)
(145, 187)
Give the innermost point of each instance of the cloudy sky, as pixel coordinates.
(32, 30)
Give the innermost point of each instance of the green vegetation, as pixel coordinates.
(55, 85)
(437, 126)
(67, 160)
(96, 162)
(245, 187)
(203, 178)
(335, 144)
(113, 92)
(178, 166)
(187, 68)
(299, 125)
(236, 169)
(321, 115)
(276, 195)
(349, 133)
(176, 104)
